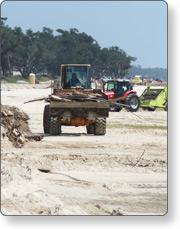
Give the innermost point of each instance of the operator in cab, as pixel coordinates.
(74, 80)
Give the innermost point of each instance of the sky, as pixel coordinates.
(137, 27)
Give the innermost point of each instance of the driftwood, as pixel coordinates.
(34, 100)
(86, 94)
(138, 160)
(78, 96)
(57, 98)
(6, 113)
(67, 97)
(36, 137)
(22, 140)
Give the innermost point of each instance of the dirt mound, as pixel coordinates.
(15, 124)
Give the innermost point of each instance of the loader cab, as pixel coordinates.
(75, 76)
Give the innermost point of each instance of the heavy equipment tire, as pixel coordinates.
(46, 120)
(112, 107)
(118, 108)
(100, 126)
(55, 126)
(90, 129)
(115, 108)
(133, 101)
(166, 106)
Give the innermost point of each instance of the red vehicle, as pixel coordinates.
(115, 88)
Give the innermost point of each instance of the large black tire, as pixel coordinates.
(133, 101)
(46, 120)
(118, 108)
(112, 107)
(90, 129)
(55, 126)
(100, 126)
(166, 106)
(115, 108)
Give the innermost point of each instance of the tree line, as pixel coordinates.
(157, 73)
(40, 52)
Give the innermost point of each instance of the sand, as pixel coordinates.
(121, 173)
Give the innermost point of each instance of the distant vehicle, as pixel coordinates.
(105, 77)
(154, 97)
(115, 88)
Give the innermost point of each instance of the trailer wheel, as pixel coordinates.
(133, 101)
(100, 126)
(46, 120)
(90, 129)
(55, 126)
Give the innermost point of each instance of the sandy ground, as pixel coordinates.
(123, 172)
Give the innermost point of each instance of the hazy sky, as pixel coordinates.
(137, 27)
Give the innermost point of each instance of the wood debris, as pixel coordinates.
(15, 126)
(79, 96)
(36, 137)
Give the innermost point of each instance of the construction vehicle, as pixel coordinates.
(75, 103)
(115, 88)
(154, 97)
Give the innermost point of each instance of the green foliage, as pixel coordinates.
(44, 78)
(14, 79)
(115, 60)
(40, 52)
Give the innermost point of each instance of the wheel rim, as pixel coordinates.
(134, 103)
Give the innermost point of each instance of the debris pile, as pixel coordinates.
(79, 96)
(75, 96)
(118, 211)
(14, 125)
